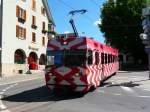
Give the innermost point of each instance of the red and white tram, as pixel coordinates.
(79, 63)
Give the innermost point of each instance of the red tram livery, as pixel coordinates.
(79, 63)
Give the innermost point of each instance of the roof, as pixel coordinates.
(48, 12)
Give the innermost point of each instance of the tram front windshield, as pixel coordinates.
(67, 58)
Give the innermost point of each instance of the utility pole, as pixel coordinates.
(146, 27)
(1, 27)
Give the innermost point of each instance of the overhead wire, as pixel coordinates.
(72, 8)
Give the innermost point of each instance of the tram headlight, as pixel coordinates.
(50, 74)
(77, 74)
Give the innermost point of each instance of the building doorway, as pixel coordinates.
(32, 61)
(42, 60)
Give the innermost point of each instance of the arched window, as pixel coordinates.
(19, 56)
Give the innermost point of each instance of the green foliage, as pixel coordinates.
(121, 25)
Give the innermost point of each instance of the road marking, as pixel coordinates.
(1, 93)
(127, 89)
(146, 89)
(144, 96)
(4, 90)
(2, 106)
(117, 94)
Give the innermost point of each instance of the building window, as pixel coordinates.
(43, 28)
(33, 37)
(34, 5)
(43, 11)
(33, 22)
(43, 41)
(20, 32)
(21, 14)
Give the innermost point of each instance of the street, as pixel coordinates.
(112, 96)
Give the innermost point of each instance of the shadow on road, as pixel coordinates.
(126, 84)
(40, 94)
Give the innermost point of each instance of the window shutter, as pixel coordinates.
(25, 14)
(17, 31)
(33, 20)
(17, 11)
(43, 25)
(25, 31)
(33, 4)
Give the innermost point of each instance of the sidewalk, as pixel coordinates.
(131, 79)
(21, 77)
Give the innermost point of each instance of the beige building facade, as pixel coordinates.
(26, 27)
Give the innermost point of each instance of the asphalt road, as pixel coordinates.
(33, 96)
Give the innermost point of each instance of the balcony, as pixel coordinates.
(44, 31)
(34, 26)
(20, 19)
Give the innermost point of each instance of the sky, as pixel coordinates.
(85, 23)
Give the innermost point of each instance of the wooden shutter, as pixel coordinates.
(33, 20)
(17, 31)
(43, 25)
(33, 4)
(25, 31)
(43, 41)
(33, 37)
(25, 15)
(17, 11)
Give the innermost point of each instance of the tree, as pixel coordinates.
(121, 25)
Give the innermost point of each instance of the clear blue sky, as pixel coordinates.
(84, 23)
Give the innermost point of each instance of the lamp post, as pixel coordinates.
(1, 22)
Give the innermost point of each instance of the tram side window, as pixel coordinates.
(113, 58)
(108, 58)
(102, 58)
(106, 61)
(90, 56)
(96, 58)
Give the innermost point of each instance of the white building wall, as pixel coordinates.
(10, 43)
